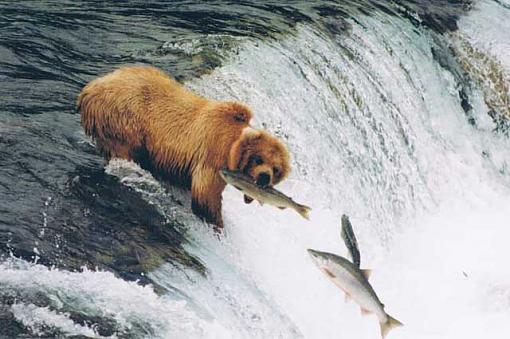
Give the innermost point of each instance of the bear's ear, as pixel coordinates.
(239, 112)
(241, 117)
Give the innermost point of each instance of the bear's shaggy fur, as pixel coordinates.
(139, 113)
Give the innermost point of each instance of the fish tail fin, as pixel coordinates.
(304, 211)
(389, 324)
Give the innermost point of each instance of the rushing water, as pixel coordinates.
(395, 114)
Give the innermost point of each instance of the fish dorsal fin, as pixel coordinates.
(366, 273)
(280, 207)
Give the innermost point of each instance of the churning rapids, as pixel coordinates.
(396, 114)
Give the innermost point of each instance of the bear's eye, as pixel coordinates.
(276, 171)
(258, 160)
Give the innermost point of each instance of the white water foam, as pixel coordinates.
(377, 132)
(132, 307)
(38, 319)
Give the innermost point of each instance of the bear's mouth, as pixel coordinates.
(263, 179)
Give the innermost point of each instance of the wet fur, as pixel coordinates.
(139, 113)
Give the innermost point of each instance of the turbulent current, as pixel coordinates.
(396, 114)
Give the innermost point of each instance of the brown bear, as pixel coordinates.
(139, 113)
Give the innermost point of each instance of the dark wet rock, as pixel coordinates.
(102, 324)
(336, 26)
(464, 102)
(9, 326)
(58, 213)
(98, 222)
(501, 120)
(488, 76)
(439, 15)
(445, 57)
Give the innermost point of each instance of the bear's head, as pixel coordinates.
(261, 156)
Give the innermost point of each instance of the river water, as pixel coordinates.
(395, 114)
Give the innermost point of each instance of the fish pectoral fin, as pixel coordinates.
(347, 297)
(366, 273)
(365, 311)
(247, 199)
(239, 188)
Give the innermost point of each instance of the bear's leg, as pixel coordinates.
(113, 148)
(206, 189)
(119, 149)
